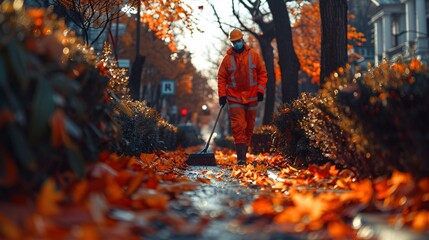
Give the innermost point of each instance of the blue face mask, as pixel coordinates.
(238, 45)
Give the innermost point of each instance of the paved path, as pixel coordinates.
(224, 202)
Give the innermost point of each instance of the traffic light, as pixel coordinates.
(184, 112)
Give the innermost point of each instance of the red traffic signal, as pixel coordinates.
(184, 112)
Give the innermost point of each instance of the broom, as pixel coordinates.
(204, 158)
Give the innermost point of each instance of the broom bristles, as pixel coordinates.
(201, 159)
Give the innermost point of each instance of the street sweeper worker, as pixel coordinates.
(242, 79)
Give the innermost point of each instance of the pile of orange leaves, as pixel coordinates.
(322, 196)
(295, 201)
(67, 207)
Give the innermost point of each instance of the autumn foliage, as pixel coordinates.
(52, 102)
(61, 177)
(372, 122)
(166, 19)
(142, 129)
(61, 104)
(129, 196)
(308, 209)
(191, 87)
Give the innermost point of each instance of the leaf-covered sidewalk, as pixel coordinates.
(157, 196)
(71, 138)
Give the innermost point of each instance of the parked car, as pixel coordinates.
(188, 135)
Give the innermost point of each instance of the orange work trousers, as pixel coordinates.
(243, 118)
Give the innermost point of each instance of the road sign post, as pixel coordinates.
(168, 87)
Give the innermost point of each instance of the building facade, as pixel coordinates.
(400, 29)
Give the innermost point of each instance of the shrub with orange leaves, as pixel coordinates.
(54, 100)
(374, 121)
(383, 115)
(290, 138)
(140, 125)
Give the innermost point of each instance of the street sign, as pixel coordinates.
(124, 63)
(167, 87)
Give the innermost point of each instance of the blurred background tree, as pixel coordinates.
(307, 35)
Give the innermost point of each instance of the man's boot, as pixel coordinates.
(241, 149)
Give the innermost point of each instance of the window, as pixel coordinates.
(395, 30)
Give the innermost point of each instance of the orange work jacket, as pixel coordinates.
(241, 76)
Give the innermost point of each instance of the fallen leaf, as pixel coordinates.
(305, 209)
(320, 172)
(361, 191)
(340, 230)
(8, 229)
(262, 205)
(153, 199)
(80, 190)
(424, 185)
(147, 159)
(135, 183)
(152, 181)
(49, 198)
(88, 232)
(203, 180)
(420, 222)
(114, 191)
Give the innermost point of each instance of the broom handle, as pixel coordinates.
(214, 127)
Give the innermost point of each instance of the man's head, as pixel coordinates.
(235, 34)
(236, 38)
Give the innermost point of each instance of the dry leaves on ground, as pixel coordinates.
(141, 188)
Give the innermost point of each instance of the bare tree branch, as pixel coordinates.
(243, 26)
(218, 20)
(91, 14)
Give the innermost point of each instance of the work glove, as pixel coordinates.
(222, 101)
(260, 97)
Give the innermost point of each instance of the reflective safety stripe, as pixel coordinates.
(253, 108)
(235, 105)
(252, 99)
(261, 87)
(251, 66)
(245, 106)
(234, 99)
(232, 69)
(239, 100)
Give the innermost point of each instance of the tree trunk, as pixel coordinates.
(137, 67)
(135, 77)
(116, 42)
(268, 56)
(288, 60)
(333, 14)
